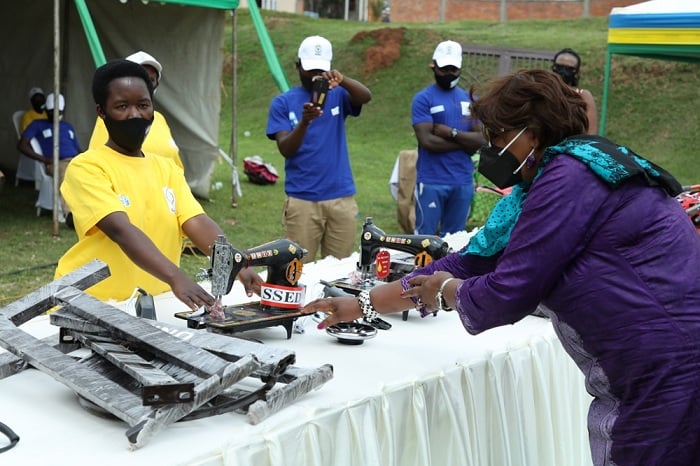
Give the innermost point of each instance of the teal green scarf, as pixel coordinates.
(612, 163)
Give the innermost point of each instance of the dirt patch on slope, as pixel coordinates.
(385, 51)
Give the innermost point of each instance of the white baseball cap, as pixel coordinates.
(448, 53)
(50, 102)
(315, 53)
(143, 58)
(35, 90)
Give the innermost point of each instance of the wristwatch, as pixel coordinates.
(453, 133)
(440, 298)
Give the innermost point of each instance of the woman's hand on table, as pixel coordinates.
(426, 287)
(339, 309)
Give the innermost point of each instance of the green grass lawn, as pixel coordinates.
(652, 109)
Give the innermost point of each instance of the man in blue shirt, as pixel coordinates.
(447, 137)
(309, 128)
(42, 130)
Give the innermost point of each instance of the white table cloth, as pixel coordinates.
(423, 393)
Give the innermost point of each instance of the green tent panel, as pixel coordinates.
(98, 55)
(271, 58)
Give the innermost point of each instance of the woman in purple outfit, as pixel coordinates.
(591, 231)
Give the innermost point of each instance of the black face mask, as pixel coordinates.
(447, 81)
(567, 73)
(499, 165)
(38, 104)
(502, 170)
(128, 134)
(306, 82)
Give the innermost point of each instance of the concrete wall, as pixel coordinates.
(461, 10)
(499, 10)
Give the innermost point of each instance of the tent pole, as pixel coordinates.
(235, 180)
(56, 112)
(98, 55)
(268, 49)
(606, 85)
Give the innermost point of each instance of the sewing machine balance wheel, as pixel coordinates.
(351, 333)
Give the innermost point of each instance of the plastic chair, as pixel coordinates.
(45, 181)
(27, 169)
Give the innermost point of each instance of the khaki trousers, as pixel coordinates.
(331, 224)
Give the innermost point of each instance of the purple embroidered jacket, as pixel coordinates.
(619, 271)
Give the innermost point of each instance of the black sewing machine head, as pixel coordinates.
(281, 297)
(423, 248)
(282, 258)
(376, 266)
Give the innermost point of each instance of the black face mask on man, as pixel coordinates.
(128, 134)
(567, 73)
(306, 81)
(38, 104)
(500, 166)
(446, 81)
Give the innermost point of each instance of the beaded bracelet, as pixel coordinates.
(366, 307)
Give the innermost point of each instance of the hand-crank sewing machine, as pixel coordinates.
(281, 298)
(377, 265)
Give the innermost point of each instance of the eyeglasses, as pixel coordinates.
(511, 143)
(490, 134)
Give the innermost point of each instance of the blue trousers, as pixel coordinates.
(442, 208)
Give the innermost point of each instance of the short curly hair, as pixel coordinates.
(116, 69)
(538, 99)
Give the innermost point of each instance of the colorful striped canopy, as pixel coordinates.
(660, 29)
(665, 28)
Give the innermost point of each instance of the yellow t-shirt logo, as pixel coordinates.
(169, 198)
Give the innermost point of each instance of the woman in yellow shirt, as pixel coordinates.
(159, 139)
(131, 207)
